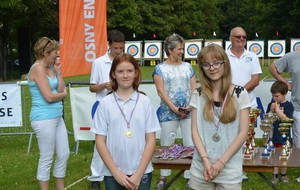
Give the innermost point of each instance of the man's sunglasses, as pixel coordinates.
(240, 37)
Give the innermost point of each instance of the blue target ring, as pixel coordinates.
(193, 50)
(133, 50)
(296, 46)
(276, 48)
(152, 50)
(255, 48)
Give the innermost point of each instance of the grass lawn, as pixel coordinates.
(18, 169)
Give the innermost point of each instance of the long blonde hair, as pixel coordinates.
(229, 112)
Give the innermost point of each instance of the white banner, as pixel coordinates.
(10, 105)
(82, 100)
(276, 48)
(134, 48)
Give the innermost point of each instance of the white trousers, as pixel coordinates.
(167, 138)
(97, 166)
(52, 137)
(296, 129)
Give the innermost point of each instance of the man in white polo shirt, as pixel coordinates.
(100, 84)
(245, 66)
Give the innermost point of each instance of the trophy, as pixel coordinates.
(270, 118)
(251, 148)
(248, 154)
(253, 114)
(266, 127)
(284, 129)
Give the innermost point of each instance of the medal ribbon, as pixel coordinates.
(128, 122)
(218, 119)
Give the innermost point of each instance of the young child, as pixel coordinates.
(125, 124)
(220, 115)
(284, 109)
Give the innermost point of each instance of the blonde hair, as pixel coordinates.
(44, 45)
(217, 52)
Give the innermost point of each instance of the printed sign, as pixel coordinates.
(10, 105)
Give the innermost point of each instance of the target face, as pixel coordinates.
(152, 50)
(276, 48)
(133, 50)
(192, 49)
(255, 48)
(296, 46)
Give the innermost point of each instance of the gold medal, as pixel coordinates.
(129, 134)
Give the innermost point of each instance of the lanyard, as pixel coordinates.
(215, 118)
(128, 122)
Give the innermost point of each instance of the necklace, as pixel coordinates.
(216, 137)
(128, 133)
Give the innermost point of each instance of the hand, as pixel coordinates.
(273, 107)
(215, 169)
(135, 180)
(57, 65)
(108, 86)
(206, 171)
(123, 180)
(184, 111)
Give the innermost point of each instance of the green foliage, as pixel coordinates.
(160, 17)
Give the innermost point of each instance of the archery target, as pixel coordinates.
(256, 47)
(192, 48)
(276, 48)
(295, 44)
(218, 42)
(152, 50)
(133, 48)
(227, 45)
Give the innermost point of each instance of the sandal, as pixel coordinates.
(161, 183)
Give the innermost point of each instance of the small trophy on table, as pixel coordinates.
(253, 114)
(251, 147)
(284, 129)
(270, 118)
(266, 127)
(247, 152)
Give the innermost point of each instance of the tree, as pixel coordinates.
(10, 10)
(41, 16)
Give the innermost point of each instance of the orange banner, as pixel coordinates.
(83, 37)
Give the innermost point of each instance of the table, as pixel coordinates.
(253, 165)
